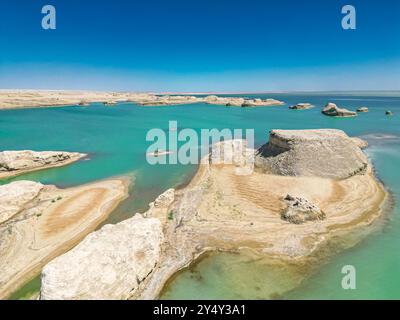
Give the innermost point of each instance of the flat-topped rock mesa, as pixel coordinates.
(18, 162)
(108, 264)
(323, 152)
(333, 110)
(301, 106)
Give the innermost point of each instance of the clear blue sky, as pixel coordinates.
(193, 45)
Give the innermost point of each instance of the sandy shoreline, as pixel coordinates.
(50, 225)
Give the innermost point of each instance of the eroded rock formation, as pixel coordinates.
(324, 153)
(333, 110)
(300, 210)
(15, 196)
(15, 162)
(108, 264)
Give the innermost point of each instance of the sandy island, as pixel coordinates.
(230, 207)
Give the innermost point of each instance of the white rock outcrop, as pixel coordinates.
(13, 161)
(301, 106)
(328, 153)
(333, 110)
(300, 210)
(15, 196)
(108, 264)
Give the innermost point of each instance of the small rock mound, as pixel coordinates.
(300, 210)
(326, 153)
(362, 109)
(301, 106)
(333, 110)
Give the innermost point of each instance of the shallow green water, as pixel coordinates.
(115, 139)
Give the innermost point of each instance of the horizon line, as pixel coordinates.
(204, 92)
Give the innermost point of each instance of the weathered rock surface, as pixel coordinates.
(260, 103)
(362, 109)
(238, 102)
(301, 106)
(361, 143)
(333, 110)
(323, 152)
(164, 199)
(108, 264)
(300, 210)
(26, 160)
(15, 196)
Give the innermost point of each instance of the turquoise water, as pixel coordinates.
(114, 137)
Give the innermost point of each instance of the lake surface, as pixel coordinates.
(115, 139)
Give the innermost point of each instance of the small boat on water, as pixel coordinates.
(159, 152)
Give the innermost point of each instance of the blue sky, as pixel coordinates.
(170, 45)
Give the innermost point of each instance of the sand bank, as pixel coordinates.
(50, 222)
